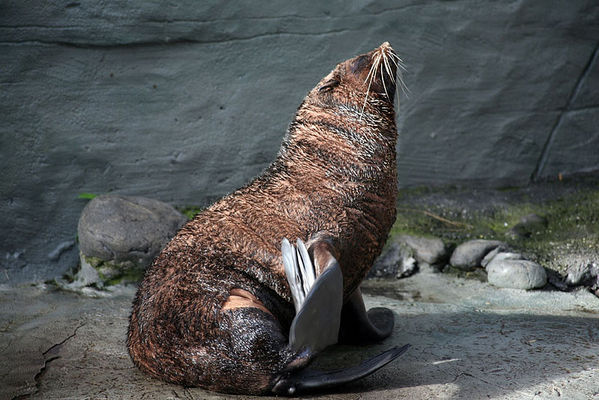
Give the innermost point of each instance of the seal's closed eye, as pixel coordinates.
(329, 85)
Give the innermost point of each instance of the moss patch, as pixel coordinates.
(190, 211)
(112, 273)
(571, 234)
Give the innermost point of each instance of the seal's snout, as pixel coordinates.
(386, 56)
(378, 69)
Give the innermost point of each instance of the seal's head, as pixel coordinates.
(350, 110)
(369, 77)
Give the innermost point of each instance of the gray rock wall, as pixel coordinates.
(186, 101)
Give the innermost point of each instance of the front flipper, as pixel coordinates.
(361, 327)
(318, 302)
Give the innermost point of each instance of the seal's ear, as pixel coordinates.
(329, 85)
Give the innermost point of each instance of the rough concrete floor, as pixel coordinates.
(470, 341)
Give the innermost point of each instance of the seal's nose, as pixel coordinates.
(385, 48)
(385, 64)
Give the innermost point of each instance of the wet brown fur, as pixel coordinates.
(214, 309)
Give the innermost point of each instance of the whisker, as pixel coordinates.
(403, 86)
(399, 77)
(372, 67)
(365, 99)
(388, 67)
(400, 67)
(383, 81)
(398, 61)
(382, 62)
(397, 73)
(370, 75)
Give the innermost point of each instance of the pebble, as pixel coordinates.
(426, 250)
(585, 274)
(406, 267)
(500, 254)
(507, 272)
(470, 254)
(397, 260)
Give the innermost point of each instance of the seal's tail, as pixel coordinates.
(307, 380)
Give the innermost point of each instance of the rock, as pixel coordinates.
(119, 236)
(499, 254)
(511, 270)
(386, 263)
(426, 250)
(486, 259)
(586, 274)
(528, 225)
(515, 273)
(85, 276)
(397, 259)
(406, 267)
(469, 255)
(406, 254)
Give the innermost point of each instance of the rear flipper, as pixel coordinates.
(318, 304)
(361, 327)
(308, 380)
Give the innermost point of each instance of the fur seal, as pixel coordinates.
(216, 307)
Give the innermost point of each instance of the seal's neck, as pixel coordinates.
(341, 139)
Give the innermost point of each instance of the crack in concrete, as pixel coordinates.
(167, 41)
(536, 174)
(42, 371)
(57, 345)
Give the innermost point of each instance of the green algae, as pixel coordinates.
(190, 211)
(87, 196)
(569, 235)
(113, 273)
